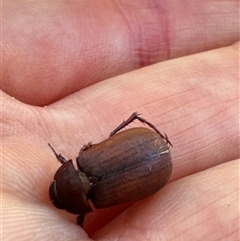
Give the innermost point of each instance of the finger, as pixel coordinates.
(23, 220)
(196, 105)
(51, 50)
(192, 208)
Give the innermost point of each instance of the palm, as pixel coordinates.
(194, 99)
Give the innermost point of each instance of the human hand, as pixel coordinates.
(52, 51)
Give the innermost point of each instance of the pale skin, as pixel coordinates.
(53, 50)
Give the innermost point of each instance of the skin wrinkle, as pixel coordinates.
(215, 201)
(175, 204)
(144, 39)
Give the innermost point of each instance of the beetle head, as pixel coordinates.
(70, 189)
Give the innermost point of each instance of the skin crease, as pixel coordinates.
(194, 98)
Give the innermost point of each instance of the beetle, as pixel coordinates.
(128, 166)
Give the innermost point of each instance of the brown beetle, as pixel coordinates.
(128, 166)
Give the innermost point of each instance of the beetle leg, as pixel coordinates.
(135, 116)
(80, 219)
(60, 158)
(124, 123)
(86, 147)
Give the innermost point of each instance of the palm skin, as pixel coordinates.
(57, 88)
